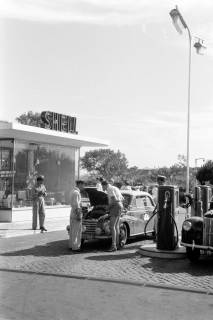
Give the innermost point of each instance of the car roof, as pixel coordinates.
(136, 193)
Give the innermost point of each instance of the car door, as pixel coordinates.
(139, 215)
(149, 207)
(131, 214)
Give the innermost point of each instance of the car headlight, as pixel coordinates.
(84, 228)
(187, 225)
(98, 231)
(106, 227)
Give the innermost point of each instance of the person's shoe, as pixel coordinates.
(43, 229)
(112, 249)
(76, 251)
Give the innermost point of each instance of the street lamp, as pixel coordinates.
(179, 24)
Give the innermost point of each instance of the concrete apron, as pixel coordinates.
(150, 250)
(57, 218)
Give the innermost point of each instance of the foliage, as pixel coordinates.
(181, 161)
(110, 164)
(105, 162)
(30, 119)
(205, 173)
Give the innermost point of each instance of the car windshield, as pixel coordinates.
(127, 200)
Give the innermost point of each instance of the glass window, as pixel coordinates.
(56, 163)
(140, 202)
(149, 202)
(6, 174)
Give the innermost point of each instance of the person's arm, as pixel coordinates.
(103, 217)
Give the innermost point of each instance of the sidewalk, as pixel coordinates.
(26, 296)
(56, 219)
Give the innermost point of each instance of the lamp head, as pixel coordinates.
(200, 48)
(177, 20)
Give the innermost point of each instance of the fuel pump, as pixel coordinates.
(206, 194)
(167, 232)
(197, 208)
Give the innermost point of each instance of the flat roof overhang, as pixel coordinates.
(41, 135)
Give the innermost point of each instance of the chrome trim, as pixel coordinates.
(193, 245)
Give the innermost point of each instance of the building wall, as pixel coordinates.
(21, 162)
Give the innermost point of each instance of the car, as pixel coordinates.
(138, 207)
(197, 236)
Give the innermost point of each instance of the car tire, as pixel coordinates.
(193, 254)
(123, 235)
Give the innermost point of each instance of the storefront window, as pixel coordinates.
(56, 163)
(6, 174)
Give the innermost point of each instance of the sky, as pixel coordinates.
(119, 66)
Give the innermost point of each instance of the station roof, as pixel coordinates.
(41, 135)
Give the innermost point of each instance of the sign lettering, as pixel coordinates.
(58, 122)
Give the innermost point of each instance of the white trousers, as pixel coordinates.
(75, 234)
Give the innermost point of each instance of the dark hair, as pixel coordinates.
(79, 182)
(161, 178)
(104, 182)
(40, 178)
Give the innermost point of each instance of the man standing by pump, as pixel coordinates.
(161, 180)
(115, 199)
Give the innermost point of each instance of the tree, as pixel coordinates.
(105, 162)
(205, 173)
(30, 119)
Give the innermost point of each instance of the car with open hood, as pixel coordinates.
(138, 207)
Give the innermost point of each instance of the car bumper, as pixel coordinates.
(193, 246)
(94, 236)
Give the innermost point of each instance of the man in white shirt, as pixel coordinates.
(115, 199)
(76, 217)
(98, 184)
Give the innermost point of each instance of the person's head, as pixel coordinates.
(161, 180)
(111, 181)
(99, 179)
(105, 184)
(40, 179)
(80, 184)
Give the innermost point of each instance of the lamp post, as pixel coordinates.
(179, 24)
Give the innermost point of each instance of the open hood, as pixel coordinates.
(96, 197)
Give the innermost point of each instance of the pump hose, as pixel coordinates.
(152, 216)
(175, 228)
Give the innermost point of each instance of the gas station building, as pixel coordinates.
(28, 151)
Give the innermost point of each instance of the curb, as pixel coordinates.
(111, 280)
(150, 250)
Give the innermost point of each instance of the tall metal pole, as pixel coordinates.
(188, 112)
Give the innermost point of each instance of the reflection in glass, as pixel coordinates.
(6, 173)
(56, 163)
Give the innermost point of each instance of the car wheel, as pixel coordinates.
(193, 254)
(123, 235)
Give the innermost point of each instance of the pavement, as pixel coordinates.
(42, 279)
(21, 225)
(40, 297)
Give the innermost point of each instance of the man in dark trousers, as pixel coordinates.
(115, 199)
